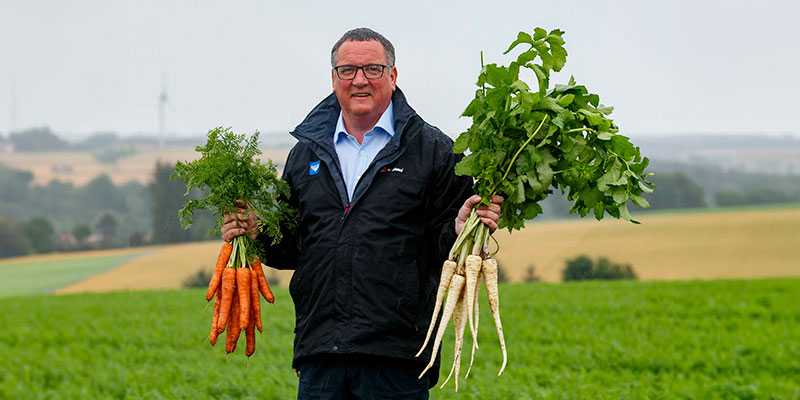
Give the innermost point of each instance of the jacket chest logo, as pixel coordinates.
(313, 167)
(390, 169)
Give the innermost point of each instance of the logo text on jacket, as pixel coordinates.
(389, 169)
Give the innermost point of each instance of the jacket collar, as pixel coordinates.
(321, 121)
(316, 133)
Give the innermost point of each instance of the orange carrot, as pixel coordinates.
(255, 299)
(243, 289)
(228, 284)
(263, 286)
(215, 320)
(222, 260)
(250, 336)
(233, 327)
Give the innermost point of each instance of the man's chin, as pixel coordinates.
(362, 111)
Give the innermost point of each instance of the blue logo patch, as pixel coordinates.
(313, 167)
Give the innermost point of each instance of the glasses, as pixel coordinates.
(371, 71)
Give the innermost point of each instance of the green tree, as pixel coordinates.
(99, 140)
(15, 185)
(107, 227)
(530, 274)
(167, 200)
(136, 239)
(37, 139)
(578, 268)
(13, 242)
(101, 194)
(81, 232)
(725, 198)
(40, 234)
(583, 268)
(675, 190)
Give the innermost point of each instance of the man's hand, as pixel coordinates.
(239, 222)
(489, 215)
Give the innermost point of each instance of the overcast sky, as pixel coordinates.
(667, 66)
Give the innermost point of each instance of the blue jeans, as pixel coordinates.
(361, 377)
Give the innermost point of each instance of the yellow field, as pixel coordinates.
(670, 246)
(83, 167)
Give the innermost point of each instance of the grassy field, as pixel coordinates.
(47, 274)
(598, 340)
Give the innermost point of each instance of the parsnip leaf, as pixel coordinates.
(525, 143)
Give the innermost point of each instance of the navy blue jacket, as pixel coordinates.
(366, 271)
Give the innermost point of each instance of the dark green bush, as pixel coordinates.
(583, 268)
(199, 278)
(530, 274)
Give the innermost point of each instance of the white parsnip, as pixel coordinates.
(459, 325)
(490, 275)
(473, 271)
(477, 315)
(454, 292)
(448, 269)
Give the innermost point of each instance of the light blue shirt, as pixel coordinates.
(354, 158)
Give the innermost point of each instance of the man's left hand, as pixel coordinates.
(489, 214)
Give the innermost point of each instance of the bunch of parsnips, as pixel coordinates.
(524, 143)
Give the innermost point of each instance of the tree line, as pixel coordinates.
(44, 139)
(59, 216)
(681, 185)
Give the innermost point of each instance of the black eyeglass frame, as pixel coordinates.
(361, 67)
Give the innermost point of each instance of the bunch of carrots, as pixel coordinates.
(227, 172)
(236, 284)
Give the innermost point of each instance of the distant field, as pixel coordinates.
(47, 274)
(733, 244)
(81, 167)
(701, 244)
(165, 267)
(590, 340)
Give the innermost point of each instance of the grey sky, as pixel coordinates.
(666, 66)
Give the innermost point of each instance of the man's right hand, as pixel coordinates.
(240, 222)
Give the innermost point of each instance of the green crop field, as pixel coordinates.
(45, 276)
(614, 340)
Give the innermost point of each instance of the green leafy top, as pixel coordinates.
(228, 171)
(524, 143)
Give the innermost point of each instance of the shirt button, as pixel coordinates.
(335, 348)
(362, 152)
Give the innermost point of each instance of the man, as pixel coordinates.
(380, 207)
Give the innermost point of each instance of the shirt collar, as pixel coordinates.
(385, 123)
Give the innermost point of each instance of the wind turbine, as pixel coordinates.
(162, 112)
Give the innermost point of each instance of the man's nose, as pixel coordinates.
(360, 79)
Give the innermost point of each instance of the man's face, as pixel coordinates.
(362, 97)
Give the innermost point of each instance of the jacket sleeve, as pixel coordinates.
(284, 254)
(448, 193)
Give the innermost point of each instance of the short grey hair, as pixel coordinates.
(363, 35)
